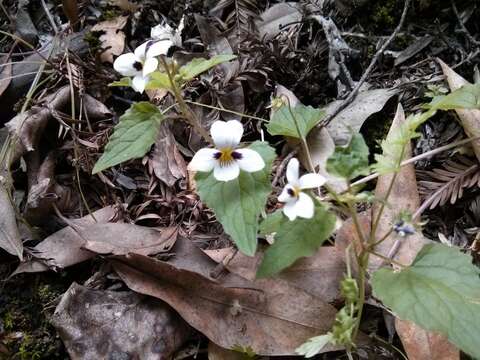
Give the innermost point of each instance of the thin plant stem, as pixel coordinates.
(226, 110)
(387, 259)
(419, 157)
(185, 110)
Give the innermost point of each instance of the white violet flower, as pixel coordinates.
(226, 160)
(297, 203)
(143, 62)
(139, 64)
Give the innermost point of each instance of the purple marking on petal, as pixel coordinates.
(137, 65)
(291, 192)
(236, 155)
(217, 155)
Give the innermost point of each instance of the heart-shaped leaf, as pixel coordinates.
(440, 291)
(294, 239)
(294, 121)
(238, 203)
(133, 136)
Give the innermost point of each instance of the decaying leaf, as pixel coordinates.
(64, 247)
(353, 116)
(404, 196)
(70, 9)
(10, 239)
(216, 352)
(112, 38)
(469, 118)
(125, 5)
(30, 125)
(166, 161)
(276, 17)
(96, 324)
(5, 73)
(121, 239)
(269, 316)
(319, 274)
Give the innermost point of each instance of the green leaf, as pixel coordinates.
(238, 203)
(295, 239)
(467, 97)
(132, 137)
(283, 120)
(350, 161)
(313, 345)
(440, 292)
(199, 65)
(158, 80)
(125, 81)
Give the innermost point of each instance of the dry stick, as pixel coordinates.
(370, 67)
(462, 25)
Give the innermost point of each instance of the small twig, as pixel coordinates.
(370, 67)
(49, 16)
(282, 166)
(462, 25)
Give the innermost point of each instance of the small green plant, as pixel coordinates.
(440, 291)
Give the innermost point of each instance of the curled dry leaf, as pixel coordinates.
(269, 316)
(121, 239)
(97, 324)
(319, 274)
(469, 118)
(167, 162)
(70, 9)
(29, 126)
(64, 247)
(10, 239)
(112, 38)
(351, 119)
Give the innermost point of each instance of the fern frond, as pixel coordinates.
(446, 184)
(241, 16)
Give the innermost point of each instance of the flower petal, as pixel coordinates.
(139, 82)
(150, 66)
(159, 48)
(304, 206)
(285, 196)
(290, 211)
(141, 51)
(124, 64)
(226, 134)
(292, 171)
(161, 32)
(311, 181)
(226, 172)
(250, 160)
(204, 160)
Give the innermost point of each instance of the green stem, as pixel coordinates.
(184, 109)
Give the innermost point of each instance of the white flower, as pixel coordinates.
(139, 64)
(226, 160)
(297, 203)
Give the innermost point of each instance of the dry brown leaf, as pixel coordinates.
(469, 118)
(113, 40)
(70, 8)
(29, 126)
(64, 248)
(121, 239)
(97, 324)
(269, 316)
(10, 239)
(167, 162)
(419, 343)
(5, 73)
(404, 196)
(125, 5)
(216, 352)
(319, 274)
